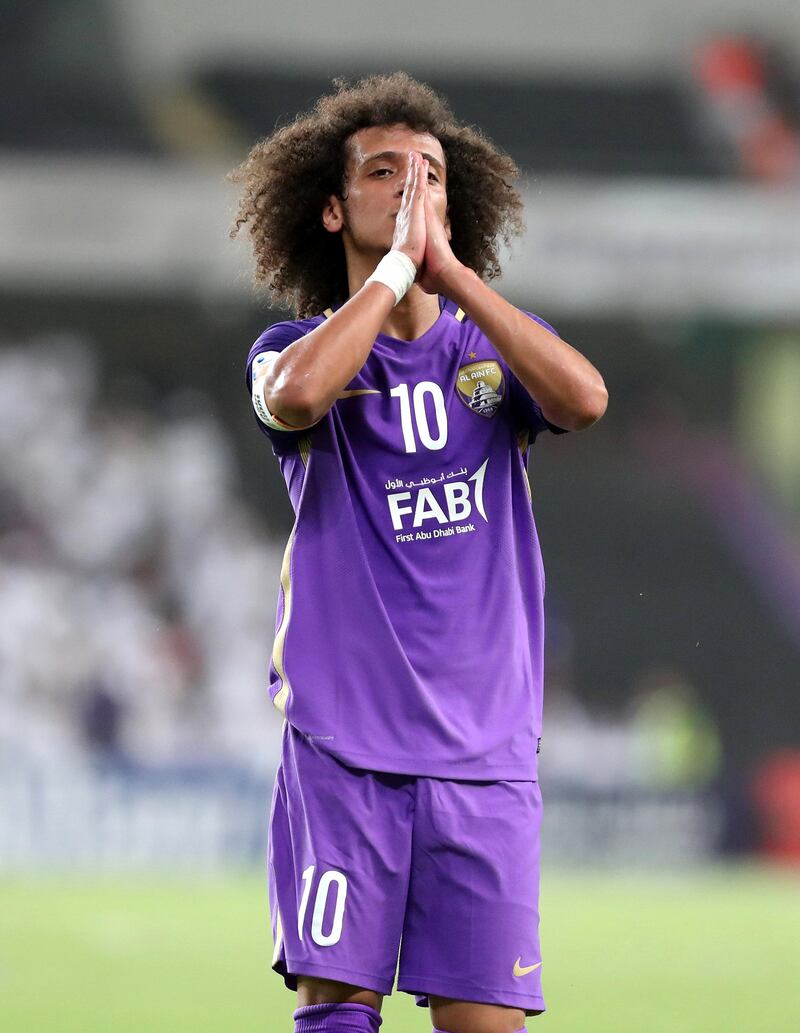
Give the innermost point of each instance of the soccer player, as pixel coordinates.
(401, 404)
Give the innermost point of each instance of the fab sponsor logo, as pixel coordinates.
(441, 506)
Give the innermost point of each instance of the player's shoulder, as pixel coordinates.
(473, 328)
(475, 343)
(279, 335)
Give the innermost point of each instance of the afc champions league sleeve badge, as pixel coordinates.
(481, 386)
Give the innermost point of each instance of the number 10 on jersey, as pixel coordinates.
(413, 415)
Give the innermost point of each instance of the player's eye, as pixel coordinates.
(433, 176)
(378, 172)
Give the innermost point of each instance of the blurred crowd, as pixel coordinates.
(137, 590)
(659, 736)
(138, 596)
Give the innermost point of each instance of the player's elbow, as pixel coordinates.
(581, 411)
(593, 407)
(294, 407)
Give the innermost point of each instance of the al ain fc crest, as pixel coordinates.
(481, 386)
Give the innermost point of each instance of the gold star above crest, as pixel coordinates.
(473, 355)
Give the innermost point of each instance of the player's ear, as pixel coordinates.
(333, 214)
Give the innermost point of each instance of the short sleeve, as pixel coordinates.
(274, 339)
(525, 411)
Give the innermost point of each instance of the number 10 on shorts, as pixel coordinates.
(328, 880)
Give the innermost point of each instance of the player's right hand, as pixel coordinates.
(410, 234)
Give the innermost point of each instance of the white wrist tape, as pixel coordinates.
(395, 271)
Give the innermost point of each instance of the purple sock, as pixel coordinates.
(336, 1018)
(523, 1030)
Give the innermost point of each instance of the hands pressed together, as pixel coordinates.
(419, 231)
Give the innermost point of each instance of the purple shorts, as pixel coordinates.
(360, 861)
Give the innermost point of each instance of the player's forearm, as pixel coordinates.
(569, 390)
(307, 377)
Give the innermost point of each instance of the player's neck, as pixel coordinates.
(412, 317)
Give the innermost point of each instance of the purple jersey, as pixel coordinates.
(410, 625)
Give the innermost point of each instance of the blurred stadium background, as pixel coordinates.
(143, 518)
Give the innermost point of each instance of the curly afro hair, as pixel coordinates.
(289, 176)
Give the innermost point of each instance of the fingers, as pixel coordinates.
(409, 235)
(410, 179)
(416, 179)
(432, 219)
(420, 185)
(429, 209)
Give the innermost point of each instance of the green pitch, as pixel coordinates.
(710, 952)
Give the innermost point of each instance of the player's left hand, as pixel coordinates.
(439, 261)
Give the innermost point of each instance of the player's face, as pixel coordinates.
(377, 164)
